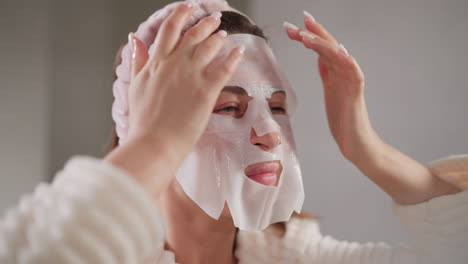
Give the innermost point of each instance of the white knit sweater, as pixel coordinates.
(95, 213)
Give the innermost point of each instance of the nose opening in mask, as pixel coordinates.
(267, 142)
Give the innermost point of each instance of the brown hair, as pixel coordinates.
(232, 23)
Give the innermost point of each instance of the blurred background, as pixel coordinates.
(56, 91)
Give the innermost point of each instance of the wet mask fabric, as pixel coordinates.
(214, 172)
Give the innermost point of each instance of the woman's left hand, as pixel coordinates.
(343, 83)
(403, 178)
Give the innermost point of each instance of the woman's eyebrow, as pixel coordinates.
(235, 90)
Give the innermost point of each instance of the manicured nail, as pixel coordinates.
(343, 50)
(307, 35)
(134, 49)
(222, 33)
(290, 26)
(307, 14)
(186, 4)
(241, 49)
(131, 43)
(216, 15)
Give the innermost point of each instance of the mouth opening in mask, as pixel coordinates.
(266, 173)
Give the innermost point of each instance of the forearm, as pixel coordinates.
(150, 163)
(406, 180)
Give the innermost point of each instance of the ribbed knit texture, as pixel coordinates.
(92, 213)
(95, 213)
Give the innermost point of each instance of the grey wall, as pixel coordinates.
(413, 54)
(55, 94)
(24, 97)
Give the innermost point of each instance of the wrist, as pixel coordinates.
(147, 160)
(366, 147)
(363, 141)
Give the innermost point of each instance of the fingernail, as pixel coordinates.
(130, 37)
(344, 50)
(222, 33)
(131, 43)
(134, 49)
(241, 49)
(306, 35)
(187, 4)
(216, 15)
(307, 14)
(289, 25)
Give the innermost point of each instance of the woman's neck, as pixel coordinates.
(191, 234)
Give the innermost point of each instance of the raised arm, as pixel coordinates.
(403, 178)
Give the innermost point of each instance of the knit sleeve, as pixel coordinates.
(93, 212)
(439, 228)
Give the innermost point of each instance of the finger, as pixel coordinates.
(206, 51)
(336, 56)
(315, 27)
(346, 66)
(292, 31)
(221, 74)
(139, 55)
(321, 46)
(170, 30)
(202, 30)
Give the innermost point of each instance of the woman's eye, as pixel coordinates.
(227, 109)
(236, 110)
(278, 110)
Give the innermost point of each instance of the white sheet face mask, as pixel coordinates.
(214, 172)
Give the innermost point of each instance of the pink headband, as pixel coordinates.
(147, 32)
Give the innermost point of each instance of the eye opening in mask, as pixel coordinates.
(277, 103)
(233, 101)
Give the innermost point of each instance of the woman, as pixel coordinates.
(123, 225)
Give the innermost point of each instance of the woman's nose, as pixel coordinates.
(266, 142)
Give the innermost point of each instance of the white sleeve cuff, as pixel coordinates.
(93, 212)
(439, 226)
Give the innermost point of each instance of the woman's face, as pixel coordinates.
(233, 102)
(245, 164)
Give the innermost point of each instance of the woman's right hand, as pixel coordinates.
(171, 96)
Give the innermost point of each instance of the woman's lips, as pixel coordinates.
(263, 172)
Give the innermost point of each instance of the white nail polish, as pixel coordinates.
(307, 14)
(241, 49)
(222, 33)
(344, 49)
(289, 25)
(131, 43)
(307, 35)
(216, 15)
(186, 4)
(130, 38)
